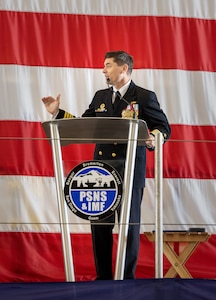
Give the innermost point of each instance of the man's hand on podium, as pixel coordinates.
(150, 142)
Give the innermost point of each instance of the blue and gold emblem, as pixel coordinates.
(93, 190)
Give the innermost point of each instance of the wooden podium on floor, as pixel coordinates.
(62, 132)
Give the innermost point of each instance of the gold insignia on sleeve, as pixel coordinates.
(102, 108)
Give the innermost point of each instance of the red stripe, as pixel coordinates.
(41, 39)
(44, 260)
(190, 153)
(25, 150)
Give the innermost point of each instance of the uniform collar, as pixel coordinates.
(123, 89)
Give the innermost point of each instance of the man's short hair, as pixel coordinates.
(121, 57)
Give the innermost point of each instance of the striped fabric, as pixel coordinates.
(49, 47)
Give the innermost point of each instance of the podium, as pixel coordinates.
(62, 132)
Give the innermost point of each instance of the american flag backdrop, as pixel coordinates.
(49, 47)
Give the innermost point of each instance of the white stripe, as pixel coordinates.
(185, 96)
(203, 9)
(30, 204)
(187, 203)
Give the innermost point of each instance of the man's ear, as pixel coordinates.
(125, 68)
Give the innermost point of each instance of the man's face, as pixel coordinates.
(113, 73)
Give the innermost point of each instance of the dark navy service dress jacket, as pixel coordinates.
(148, 110)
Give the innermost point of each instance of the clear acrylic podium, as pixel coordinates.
(62, 132)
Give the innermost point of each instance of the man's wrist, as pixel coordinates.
(54, 115)
(156, 131)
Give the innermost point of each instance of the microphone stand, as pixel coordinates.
(128, 103)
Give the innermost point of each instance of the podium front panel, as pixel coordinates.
(96, 130)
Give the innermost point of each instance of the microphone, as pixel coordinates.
(108, 81)
(122, 98)
(128, 103)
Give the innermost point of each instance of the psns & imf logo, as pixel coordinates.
(93, 190)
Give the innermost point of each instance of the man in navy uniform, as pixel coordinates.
(122, 98)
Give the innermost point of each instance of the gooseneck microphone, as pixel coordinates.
(128, 103)
(117, 93)
(121, 97)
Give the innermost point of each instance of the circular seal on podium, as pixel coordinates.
(93, 190)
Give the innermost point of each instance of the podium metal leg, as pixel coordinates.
(126, 201)
(59, 176)
(158, 206)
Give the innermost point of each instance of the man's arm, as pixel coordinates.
(52, 106)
